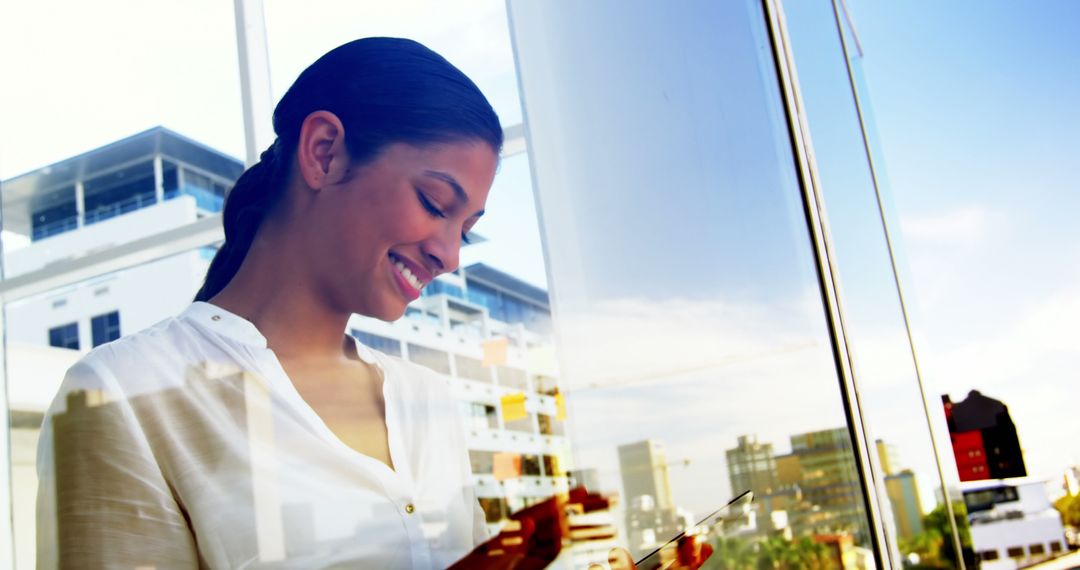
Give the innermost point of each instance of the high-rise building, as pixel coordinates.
(888, 457)
(903, 492)
(788, 471)
(644, 470)
(651, 516)
(829, 480)
(752, 466)
(984, 438)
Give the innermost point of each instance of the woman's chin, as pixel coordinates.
(389, 312)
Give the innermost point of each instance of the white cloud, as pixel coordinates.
(1034, 367)
(694, 375)
(963, 226)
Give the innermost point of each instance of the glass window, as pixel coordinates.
(53, 213)
(530, 465)
(549, 425)
(495, 509)
(170, 178)
(1015, 552)
(436, 360)
(119, 192)
(105, 328)
(552, 467)
(483, 462)
(1036, 549)
(512, 378)
(440, 287)
(481, 416)
(381, 343)
(988, 555)
(471, 368)
(523, 425)
(65, 336)
(209, 193)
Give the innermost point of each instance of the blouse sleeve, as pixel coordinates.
(102, 499)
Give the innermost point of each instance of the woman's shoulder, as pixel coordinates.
(156, 357)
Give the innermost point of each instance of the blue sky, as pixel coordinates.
(975, 105)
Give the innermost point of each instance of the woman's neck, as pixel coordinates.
(297, 323)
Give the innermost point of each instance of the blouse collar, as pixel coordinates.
(225, 323)
(240, 329)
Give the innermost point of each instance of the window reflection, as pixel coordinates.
(685, 290)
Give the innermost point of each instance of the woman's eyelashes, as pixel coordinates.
(436, 212)
(430, 206)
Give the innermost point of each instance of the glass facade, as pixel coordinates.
(695, 343)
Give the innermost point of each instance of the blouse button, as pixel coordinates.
(215, 318)
(409, 508)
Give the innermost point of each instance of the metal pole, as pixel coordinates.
(957, 546)
(255, 95)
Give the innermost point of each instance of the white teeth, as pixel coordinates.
(416, 283)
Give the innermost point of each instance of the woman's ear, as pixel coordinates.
(320, 152)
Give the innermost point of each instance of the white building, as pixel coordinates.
(149, 183)
(1013, 522)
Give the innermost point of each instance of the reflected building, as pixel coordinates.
(752, 466)
(902, 489)
(903, 492)
(829, 480)
(651, 516)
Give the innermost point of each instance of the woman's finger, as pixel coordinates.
(619, 559)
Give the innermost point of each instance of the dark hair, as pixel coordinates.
(384, 90)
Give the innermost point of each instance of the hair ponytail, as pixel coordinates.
(245, 207)
(384, 90)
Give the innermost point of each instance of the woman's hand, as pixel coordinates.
(688, 553)
(504, 551)
(530, 541)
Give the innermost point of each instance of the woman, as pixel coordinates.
(249, 430)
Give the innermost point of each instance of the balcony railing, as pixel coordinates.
(204, 200)
(55, 227)
(102, 213)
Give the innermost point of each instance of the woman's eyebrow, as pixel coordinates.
(459, 192)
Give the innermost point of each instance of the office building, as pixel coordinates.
(651, 516)
(1013, 523)
(752, 466)
(903, 492)
(829, 482)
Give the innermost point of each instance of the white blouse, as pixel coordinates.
(186, 445)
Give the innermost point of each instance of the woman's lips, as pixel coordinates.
(407, 279)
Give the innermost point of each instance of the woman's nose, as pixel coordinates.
(442, 252)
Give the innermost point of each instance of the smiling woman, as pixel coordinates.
(248, 428)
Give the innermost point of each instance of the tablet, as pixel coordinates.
(662, 557)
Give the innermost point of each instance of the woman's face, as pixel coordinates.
(392, 225)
